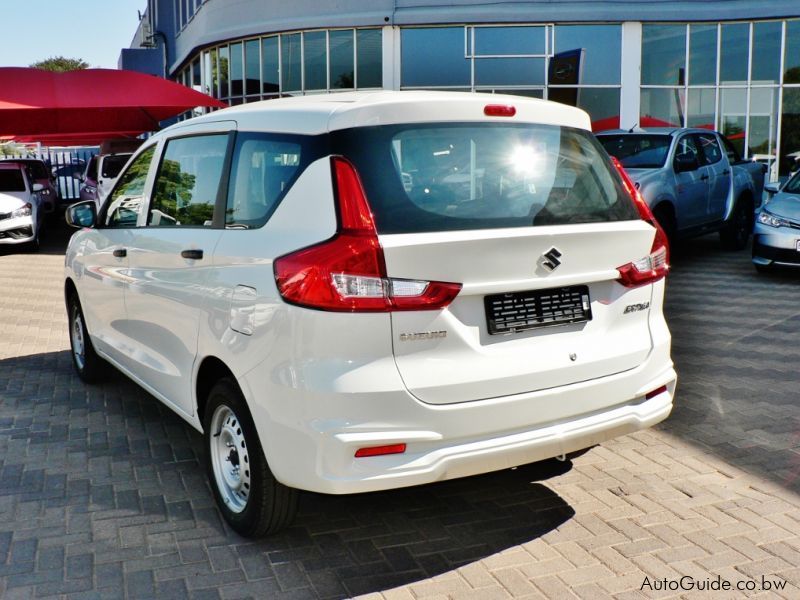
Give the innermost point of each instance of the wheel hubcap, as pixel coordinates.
(76, 337)
(230, 459)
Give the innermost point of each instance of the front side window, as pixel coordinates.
(113, 164)
(187, 183)
(466, 176)
(263, 169)
(126, 200)
(712, 153)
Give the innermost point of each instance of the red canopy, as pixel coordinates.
(89, 105)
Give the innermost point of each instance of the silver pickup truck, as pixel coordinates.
(694, 180)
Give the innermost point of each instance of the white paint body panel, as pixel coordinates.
(320, 384)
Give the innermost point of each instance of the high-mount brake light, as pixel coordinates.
(347, 273)
(655, 265)
(499, 110)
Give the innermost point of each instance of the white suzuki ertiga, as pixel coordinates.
(365, 291)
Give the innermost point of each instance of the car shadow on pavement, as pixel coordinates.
(129, 477)
(734, 334)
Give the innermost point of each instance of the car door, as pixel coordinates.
(104, 262)
(719, 174)
(691, 184)
(170, 261)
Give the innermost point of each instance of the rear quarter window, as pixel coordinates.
(458, 176)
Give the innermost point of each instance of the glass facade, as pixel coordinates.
(288, 64)
(739, 78)
(573, 64)
(742, 78)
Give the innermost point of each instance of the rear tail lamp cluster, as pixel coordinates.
(347, 273)
(655, 265)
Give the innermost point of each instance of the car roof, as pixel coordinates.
(321, 113)
(654, 131)
(22, 160)
(11, 164)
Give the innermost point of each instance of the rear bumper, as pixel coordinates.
(312, 444)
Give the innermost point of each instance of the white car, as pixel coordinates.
(305, 281)
(20, 206)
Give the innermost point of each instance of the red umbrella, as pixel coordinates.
(35, 104)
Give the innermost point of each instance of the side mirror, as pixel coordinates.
(81, 214)
(686, 162)
(37, 187)
(773, 187)
(80, 177)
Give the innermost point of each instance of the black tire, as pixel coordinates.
(737, 230)
(256, 504)
(89, 366)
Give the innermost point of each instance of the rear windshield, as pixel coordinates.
(458, 176)
(112, 165)
(637, 151)
(11, 180)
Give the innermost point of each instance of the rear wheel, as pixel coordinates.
(251, 500)
(89, 366)
(736, 232)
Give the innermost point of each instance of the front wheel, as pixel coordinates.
(251, 500)
(89, 366)
(736, 232)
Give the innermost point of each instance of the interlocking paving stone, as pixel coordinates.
(103, 492)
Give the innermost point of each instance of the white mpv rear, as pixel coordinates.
(365, 291)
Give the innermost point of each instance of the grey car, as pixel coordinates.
(694, 181)
(776, 235)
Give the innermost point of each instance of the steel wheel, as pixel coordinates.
(230, 459)
(77, 340)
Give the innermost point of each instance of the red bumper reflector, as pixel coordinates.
(655, 392)
(381, 450)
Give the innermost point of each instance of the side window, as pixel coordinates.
(126, 200)
(730, 150)
(687, 149)
(712, 153)
(262, 170)
(187, 182)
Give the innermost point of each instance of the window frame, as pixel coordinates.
(704, 160)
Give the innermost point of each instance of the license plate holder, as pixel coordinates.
(532, 309)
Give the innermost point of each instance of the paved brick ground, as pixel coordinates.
(102, 492)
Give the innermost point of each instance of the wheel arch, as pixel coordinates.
(211, 370)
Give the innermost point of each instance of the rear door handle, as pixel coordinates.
(704, 178)
(726, 172)
(120, 253)
(192, 254)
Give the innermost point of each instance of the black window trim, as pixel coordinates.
(704, 161)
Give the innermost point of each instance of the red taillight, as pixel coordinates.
(499, 110)
(381, 450)
(655, 265)
(348, 272)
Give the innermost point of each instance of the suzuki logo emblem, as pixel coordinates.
(550, 259)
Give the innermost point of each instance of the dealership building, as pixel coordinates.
(731, 65)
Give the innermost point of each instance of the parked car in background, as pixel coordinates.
(21, 203)
(694, 181)
(337, 313)
(68, 180)
(776, 236)
(101, 173)
(38, 172)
